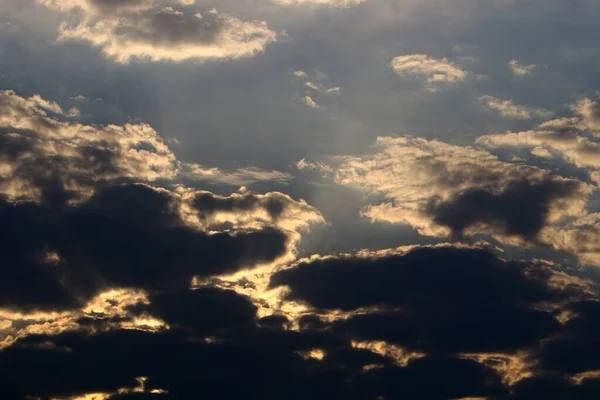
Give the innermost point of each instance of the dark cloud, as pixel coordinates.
(577, 349)
(29, 279)
(249, 369)
(208, 203)
(434, 379)
(123, 236)
(555, 388)
(522, 208)
(437, 301)
(274, 321)
(206, 311)
(170, 28)
(449, 299)
(261, 364)
(311, 322)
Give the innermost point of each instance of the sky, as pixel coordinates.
(299, 199)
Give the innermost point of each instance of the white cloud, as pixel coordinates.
(322, 88)
(521, 69)
(74, 112)
(310, 102)
(38, 147)
(588, 114)
(571, 138)
(508, 109)
(433, 71)
(147, 29)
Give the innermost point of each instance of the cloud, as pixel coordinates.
(238, 177)
(322, 89)
(310, 102)
(83, 218)
(521, 69)
(522, 208)
(433, 71)
(508, 109)
(471, 285)
(171, 361)
(587, 115)
(300, 74)
(42, 152)
(152, 30)
(215, 310)
(124, 236)
(475, 302)
(571, 138)
(443, 190)
(246, 210)
(416, 176)
(576, 350)
(37, 147)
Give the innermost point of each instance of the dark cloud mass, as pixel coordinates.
(448, 299)
(263, 365)
(124, 236)
(522, 208)
(207, 203)
(206, 311)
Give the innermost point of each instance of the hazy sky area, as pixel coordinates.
(299, 199)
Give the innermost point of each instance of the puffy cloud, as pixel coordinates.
(300, 74)
(42, 156)
(521, 69)
(37, 147)
(522, 208)
(421, 178)
(571, 138)
(492, 305)
(508, 109)
(433, 71)
(580, 236)
(587, 115)
(310, 102)
(245, 210)
(157, 30)
(445, 190)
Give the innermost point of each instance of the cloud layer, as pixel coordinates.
(438, 240)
